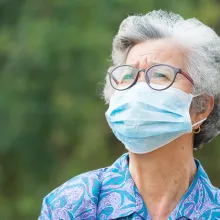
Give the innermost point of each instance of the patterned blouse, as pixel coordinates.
(110, 193)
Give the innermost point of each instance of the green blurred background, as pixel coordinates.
(54, 55)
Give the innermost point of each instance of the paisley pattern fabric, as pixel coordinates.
(110, 193)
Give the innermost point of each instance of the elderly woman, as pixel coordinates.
(163, 90)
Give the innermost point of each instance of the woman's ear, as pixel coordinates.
(207, 102)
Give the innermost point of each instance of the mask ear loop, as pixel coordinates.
(199, 128)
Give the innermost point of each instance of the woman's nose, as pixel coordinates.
(141, 76)
(143, 64)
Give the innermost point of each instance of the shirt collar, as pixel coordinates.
(119, 196)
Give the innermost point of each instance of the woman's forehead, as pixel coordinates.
(158, 51)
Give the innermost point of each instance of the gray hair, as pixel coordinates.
(202, 60)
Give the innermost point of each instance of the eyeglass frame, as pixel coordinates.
(175, 70)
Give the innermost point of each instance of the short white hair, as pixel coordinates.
(202, 59)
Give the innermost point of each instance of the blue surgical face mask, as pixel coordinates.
(144, 119)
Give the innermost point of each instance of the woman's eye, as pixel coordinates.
(128, 76)
(159, 75)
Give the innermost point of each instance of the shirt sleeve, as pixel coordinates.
(45, 211)
(75, 199)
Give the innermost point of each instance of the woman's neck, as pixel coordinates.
(164, 175)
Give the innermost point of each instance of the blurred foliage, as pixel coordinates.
(54, 55)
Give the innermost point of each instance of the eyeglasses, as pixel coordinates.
(158, 77)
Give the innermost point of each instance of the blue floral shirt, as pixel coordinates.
(110, 193)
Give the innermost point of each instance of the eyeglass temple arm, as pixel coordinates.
(187, 76)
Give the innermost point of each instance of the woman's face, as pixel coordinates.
(164, 51)
(160, 51)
